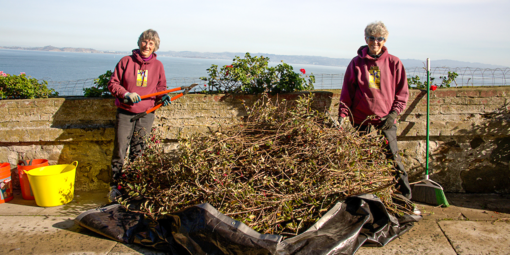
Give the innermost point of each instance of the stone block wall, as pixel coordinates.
(469, 133)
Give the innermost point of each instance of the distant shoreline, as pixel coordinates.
(290, 59)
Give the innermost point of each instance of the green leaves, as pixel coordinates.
(23, 87)
(252, 75)
(101, 86)
(445, 81)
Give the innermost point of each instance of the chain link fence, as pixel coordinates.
(466, 77)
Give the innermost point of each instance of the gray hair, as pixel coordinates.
(375, 28)
(150, 35)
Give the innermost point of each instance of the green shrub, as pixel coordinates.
(23, 87)
(101, 86)
(445, 81)
(252, 75)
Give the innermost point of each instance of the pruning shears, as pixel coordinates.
(186, 91)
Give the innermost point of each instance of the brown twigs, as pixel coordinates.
(278, 170)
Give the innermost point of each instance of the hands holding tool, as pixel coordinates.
(132, 98)
(166, 100)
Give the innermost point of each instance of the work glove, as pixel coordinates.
(340, 121)
(166, 100)
(132, 98)
(114, 194)
(389, 120)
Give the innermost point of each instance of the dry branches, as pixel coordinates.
(278, 171)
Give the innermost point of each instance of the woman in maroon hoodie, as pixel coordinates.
(375, 84)
(134, 76)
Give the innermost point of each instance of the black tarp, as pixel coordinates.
(201, 229)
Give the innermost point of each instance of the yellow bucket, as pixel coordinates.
(53, 185)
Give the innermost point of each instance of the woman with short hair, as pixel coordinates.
(134, 76)
(375, 84)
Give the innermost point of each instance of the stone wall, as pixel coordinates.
(469, 133)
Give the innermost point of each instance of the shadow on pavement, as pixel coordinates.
(481, 201)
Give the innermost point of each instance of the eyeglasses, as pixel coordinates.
(373, 38)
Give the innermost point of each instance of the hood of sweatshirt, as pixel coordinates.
(363, 53)
(138, 58)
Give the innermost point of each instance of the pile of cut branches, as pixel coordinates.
(278, 171)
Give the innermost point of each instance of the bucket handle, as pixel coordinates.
(75, 163)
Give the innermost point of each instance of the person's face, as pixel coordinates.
(375, 43)
(146, 48)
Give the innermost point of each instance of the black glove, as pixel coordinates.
(114, 194)
(389, 120)
(166, 100)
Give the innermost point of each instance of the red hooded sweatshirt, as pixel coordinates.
(373, 87)
(133, 74)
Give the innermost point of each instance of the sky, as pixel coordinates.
(463, 30)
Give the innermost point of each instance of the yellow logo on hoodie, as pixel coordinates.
(374, 79)
(141, 78)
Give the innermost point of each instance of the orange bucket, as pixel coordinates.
(5, 183)
(26, 190)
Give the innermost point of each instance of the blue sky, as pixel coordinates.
(464, 30)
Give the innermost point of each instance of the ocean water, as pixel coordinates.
(69, 73)
(67, 66)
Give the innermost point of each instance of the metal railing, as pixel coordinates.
(467, 76)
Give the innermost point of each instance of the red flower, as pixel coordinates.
(226, 73)
(229, 66)
(224, 174)
(205, 85)
(302, 70)
(433, 87)
(119, 187)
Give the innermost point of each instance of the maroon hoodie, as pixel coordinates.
(373, 87)
(133, 74)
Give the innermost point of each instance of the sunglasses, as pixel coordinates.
(372, 38)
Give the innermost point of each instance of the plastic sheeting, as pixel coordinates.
(201, 229)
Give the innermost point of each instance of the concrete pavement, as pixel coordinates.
(473, 224)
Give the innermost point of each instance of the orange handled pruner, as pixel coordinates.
(186, 91)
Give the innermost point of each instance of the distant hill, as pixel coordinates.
(290, 59)
(51, 48)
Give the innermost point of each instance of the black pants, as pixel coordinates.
(392, 152)
(128, 134)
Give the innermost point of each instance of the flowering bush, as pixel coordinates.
(252, 75)
(23, 87)
(101, 86)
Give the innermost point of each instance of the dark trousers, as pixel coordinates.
(392, 152)
(128, 134)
